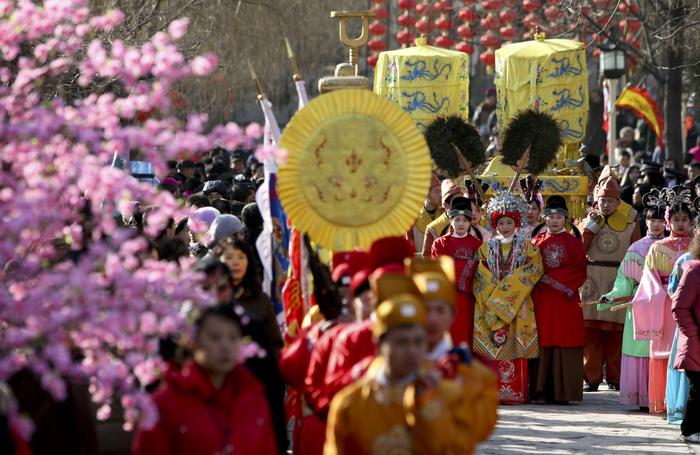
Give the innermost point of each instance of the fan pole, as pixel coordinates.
(470, 171)
(522, 162)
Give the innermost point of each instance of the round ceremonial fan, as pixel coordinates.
(358, 169)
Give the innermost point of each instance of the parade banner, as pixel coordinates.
(292, 293)
(274, 240)
(641, 103)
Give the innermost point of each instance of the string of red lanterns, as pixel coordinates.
(377, 30)
(496, 22)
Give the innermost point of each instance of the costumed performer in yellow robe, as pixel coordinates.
(505, 330)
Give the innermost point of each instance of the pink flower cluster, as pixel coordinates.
(95, 315)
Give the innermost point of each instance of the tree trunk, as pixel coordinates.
(674, 89)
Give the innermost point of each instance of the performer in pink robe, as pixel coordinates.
(651, 306)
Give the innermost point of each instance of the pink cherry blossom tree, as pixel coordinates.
(68, 103)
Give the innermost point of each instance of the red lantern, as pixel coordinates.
(490, 22)
(492, 5)
(405, 37)
(531, 5)
(372, 60)
(443, 6)
(467, 15)
(552, 13)
(443, 23)
(490, 40)
(596, 52)
(424, 9)
(377, 44)
(380, 12)
(508, 32)
(464, 47)
(488, 57)
(377, 28)
(444, 41)
(406, 20)
(407, 4)
(465, 31)
(507, 15)
(532, 20)
(425, 25)
(632, 25)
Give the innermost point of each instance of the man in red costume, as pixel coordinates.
(296, 358)
(560, 330)
(354, 343)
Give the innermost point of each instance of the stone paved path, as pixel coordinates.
(599, 425)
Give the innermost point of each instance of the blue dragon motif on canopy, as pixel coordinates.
(569, 133)
(567, 100)
(419, 70)
(565, 68)
(417, 101)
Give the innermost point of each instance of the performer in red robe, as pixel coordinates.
(461, 244)
(559, 316)
(354, 347)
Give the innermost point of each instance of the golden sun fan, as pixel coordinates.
(358, 169)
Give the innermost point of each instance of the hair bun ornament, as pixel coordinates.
(654, 199)
(476, 191)
(531, 188)
(678, 197)
(443, 134)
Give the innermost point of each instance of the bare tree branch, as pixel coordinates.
(678, 29)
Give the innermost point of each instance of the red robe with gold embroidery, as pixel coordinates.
(463, 251)
(556, 298)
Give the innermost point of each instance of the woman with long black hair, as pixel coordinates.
(240, 259)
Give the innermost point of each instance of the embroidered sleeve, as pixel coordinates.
(546, 279)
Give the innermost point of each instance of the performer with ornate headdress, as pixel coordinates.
(505, 330)
(462, 247)
(533, 199)
(560, 328)
(677, 384)
(653, 319)
(607, 233)
(634, 375)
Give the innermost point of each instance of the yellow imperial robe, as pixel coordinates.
(504, 315)
(373, 417)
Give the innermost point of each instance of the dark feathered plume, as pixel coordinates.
(443, 134)
(535, 129)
